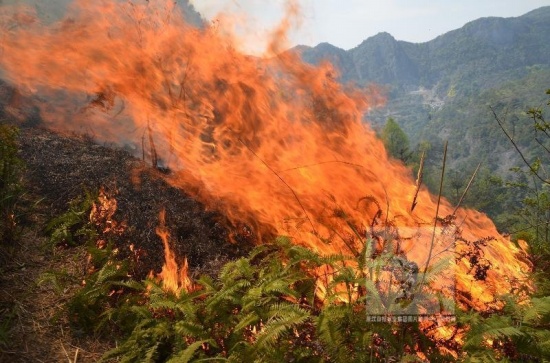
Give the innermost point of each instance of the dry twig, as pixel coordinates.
(418, 180)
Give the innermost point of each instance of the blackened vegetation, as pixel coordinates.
(479, 265)
(61, 169)
(472, 250)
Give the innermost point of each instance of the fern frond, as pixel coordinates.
(248, 320)
(187, 354)
(538, 307)
(108, 272)
(131, 284)
(329, 325)
(275, 328)
(231, 292)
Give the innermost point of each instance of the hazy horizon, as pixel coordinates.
(346, 24)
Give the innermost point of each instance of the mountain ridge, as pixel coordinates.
(452, 88)
(414, 62)
(424, 80)
(536, 14)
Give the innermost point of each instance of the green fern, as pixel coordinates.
(73, 227)
(264, 308)
(94, 299)
(518, 333)
(187, 354)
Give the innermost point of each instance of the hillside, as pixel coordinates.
(166, 198)
(442, 89)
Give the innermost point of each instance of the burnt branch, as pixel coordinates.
(436, 210)
(418, 180)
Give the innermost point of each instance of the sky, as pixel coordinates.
(346, 23)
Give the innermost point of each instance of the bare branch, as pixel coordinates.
(436, 209)
(321, 163)
(418, 180)
(154, 156)
(467, 188)
(517, 147)
(542, 144)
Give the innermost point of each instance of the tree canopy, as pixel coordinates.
(395, 140)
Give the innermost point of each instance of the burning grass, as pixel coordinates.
(278, 295)
(62, 168)
(58, 170)
(266, 147)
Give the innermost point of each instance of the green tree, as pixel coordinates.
(396, 141)
(534, 212)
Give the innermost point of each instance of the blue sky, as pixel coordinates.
(346, 23)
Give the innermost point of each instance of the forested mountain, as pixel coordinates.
(443, 89)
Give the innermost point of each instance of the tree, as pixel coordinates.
(534, 211)
(396, 141)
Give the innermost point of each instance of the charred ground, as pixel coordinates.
(62, 168)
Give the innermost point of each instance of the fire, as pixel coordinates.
(272, 142)
(173, 276)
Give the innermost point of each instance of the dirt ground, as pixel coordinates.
(32, 308)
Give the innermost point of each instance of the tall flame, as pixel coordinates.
(174, 277)
(272, 142)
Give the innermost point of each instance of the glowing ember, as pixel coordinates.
(272, 142)
(102, 212)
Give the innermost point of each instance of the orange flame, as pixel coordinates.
(272, 142)
(174, 278)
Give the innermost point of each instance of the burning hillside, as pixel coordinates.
(61, 169)
(273, 143)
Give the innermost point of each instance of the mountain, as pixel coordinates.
(442, 89)
(478, 50)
